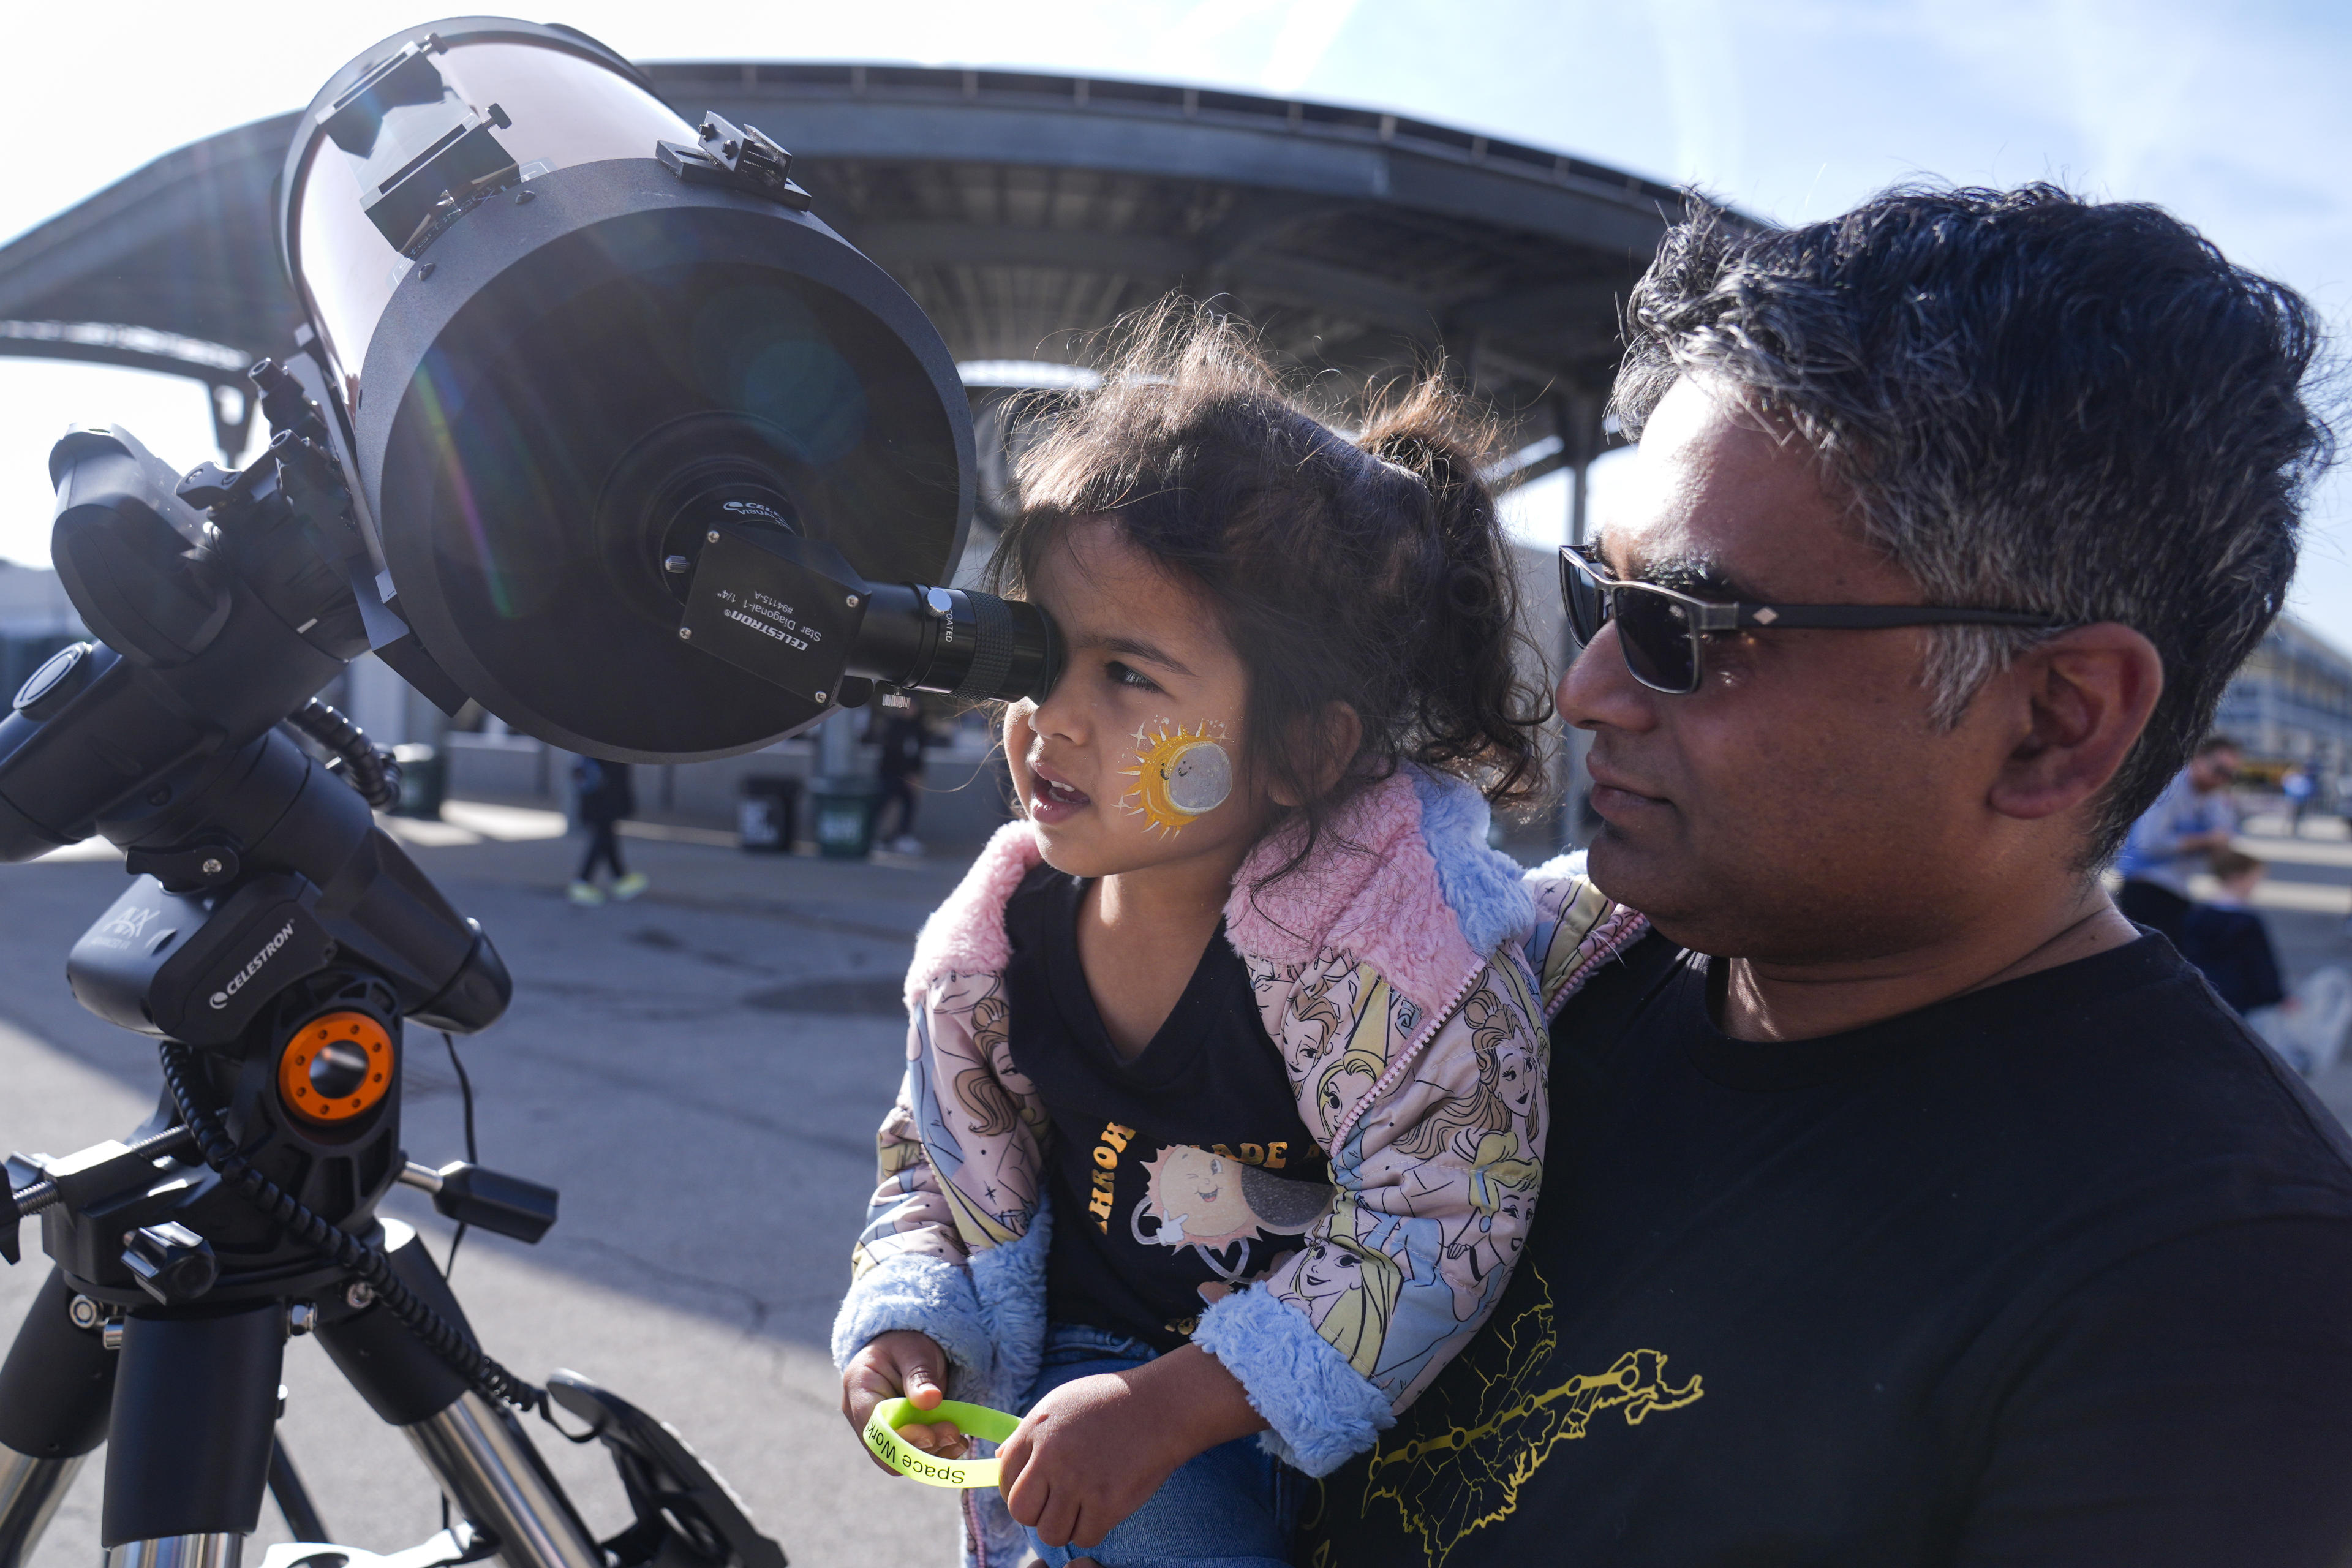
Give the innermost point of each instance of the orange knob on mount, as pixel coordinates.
(335, 1066)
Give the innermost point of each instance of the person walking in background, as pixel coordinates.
(2227, 940)
(2191, 820)
(899, 730)
(2298, 787)
(608, 798)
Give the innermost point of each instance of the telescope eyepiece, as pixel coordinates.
(974, 647)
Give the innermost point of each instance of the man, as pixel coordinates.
(2191, 821)
(1905, 1204)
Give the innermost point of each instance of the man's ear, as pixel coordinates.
(1331, 740)
(2080, 701)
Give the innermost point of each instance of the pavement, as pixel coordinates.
(700, 1072)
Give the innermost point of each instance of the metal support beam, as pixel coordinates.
(221, 368)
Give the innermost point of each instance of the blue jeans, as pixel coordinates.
(1232, 1507)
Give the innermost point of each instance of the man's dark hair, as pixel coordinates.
(2036, 403)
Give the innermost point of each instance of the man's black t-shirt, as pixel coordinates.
(1177, 1177)
(2059, 1272)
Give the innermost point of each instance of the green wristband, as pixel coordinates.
(973, 1420)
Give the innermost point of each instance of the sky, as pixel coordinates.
(2237, 119)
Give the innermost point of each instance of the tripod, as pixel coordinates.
(243, 1214)
(279, 945)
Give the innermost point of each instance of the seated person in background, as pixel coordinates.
(2229, 942)
(2192, 818)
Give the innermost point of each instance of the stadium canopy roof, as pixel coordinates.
(1021, 211)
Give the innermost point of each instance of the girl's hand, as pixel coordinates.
(1093, 1450)
(1086, 1456)
(901, 1364)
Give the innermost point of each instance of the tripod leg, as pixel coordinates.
(196, 1404)
(486, 1461)
(479, 1451)
(293, 1498)
(54, 1391)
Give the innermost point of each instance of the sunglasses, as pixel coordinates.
(1664, 632)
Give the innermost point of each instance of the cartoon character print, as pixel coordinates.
(1438, 1174)
(1344, 1081)
(1311, 1020)
(1383, 1024)
(1347, 1289)
(906, 1216)
(1221, 1208)
(963, 1144)
(1569, 912)
(1502, 1188)
(1459, 1120)
(1309, 1010)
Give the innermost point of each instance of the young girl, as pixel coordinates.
(1223, 1112)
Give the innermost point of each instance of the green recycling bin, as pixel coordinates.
(842, 813)
(423, 782)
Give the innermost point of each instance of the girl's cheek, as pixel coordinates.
(1018, 734)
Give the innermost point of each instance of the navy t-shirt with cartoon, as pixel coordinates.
(1177, 1177)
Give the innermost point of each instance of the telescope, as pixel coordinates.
(592, 422)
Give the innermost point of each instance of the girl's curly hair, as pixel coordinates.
(1371, 572)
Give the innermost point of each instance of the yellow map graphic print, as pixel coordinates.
(1450, 1483)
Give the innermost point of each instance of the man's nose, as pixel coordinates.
(1597, 691)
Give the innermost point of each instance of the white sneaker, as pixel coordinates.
(904, 844)
(587, 895)
(629, 886)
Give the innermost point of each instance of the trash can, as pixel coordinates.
(767, 814)
(423, 782)
(841, 811)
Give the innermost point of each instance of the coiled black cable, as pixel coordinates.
(372, 773)
(444, 1339)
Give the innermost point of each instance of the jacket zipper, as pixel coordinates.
(1397, 1068)
(1604, 942)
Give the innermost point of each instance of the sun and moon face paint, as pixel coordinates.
(1180, 777)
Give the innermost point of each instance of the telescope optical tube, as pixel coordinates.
(570, 337)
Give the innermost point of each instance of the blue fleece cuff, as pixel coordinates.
(1322, 1410)
(1009, 1290)
(931, 1296)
